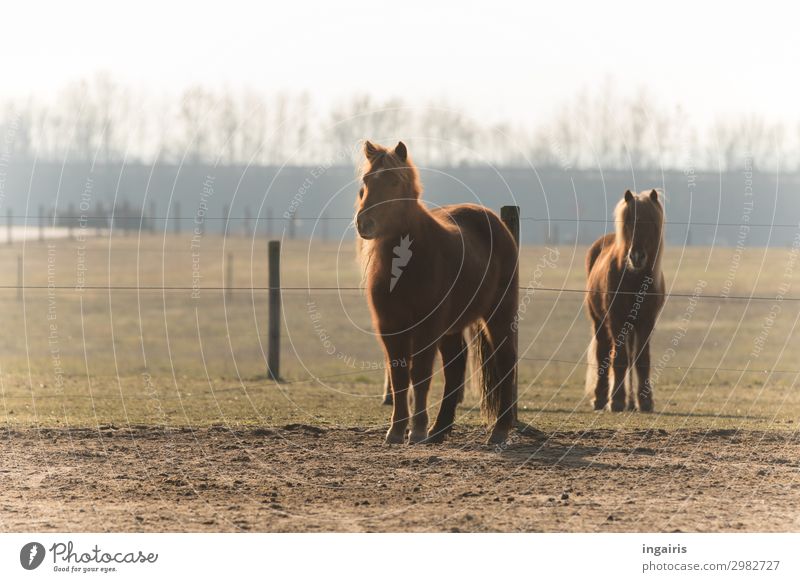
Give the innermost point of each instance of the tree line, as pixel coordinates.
(98, 120)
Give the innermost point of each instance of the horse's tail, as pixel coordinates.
(487, 373)
(591, 366)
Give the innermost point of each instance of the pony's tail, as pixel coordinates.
(487, 372)
(591, 367)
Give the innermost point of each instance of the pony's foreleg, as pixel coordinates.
(421, 372)
(642, 362)
(454, 361)
(387, 385)
(620, 363)
(602, 364)
(398, 353)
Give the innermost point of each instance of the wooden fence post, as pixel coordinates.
(510, 216)
(229, 277)
(19, 277)
(70, 220)
(274, 324)
(176, 224)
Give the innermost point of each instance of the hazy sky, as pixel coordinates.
(493, 59)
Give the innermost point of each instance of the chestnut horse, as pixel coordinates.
(624, 295)
(431, 276)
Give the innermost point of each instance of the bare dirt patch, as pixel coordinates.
(307, 478)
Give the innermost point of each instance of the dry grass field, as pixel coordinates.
(141, 408)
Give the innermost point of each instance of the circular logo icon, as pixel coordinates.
(31, 555)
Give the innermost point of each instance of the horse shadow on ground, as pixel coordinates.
(536, 448)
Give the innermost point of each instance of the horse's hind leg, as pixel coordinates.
(454, 361)
(421, 372)
(387, 386)
(505, 360)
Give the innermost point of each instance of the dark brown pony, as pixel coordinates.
(624, 294)
(431, 275)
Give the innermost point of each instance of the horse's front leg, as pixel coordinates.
(387, 385)
(397, 355)
(421, 372)
(620, 363)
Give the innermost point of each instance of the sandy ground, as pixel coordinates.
(305, 478)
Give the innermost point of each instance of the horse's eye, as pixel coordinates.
(361, 193)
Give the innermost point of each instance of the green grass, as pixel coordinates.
(166, 358)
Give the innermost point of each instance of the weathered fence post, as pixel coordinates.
(246, 225)
(176, 221)
(153, 214)
(19, 277)
(229, 277)
(274, 324)
(71, 220)
(510, 216)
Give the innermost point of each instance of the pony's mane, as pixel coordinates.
(405, 171)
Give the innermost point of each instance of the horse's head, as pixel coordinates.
(389, 191)
(639, 222)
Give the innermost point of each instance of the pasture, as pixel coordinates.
(145, 408)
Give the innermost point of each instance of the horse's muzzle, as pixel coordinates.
(366, 227)
(637, 260)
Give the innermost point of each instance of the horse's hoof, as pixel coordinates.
(436, 436)
(645, 406)
(387, 400)
(395, 438)
(631, 406)
(617, 406)
(600, 404)
(415, 437)
(498, 436)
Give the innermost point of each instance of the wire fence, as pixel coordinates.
(116, 218)
(265, 289)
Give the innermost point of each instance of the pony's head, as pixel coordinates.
(389, 193)
(639, 220)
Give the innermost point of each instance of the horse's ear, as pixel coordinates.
(401, 151)
(628, 196)
(370, 149)
(654, 195)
